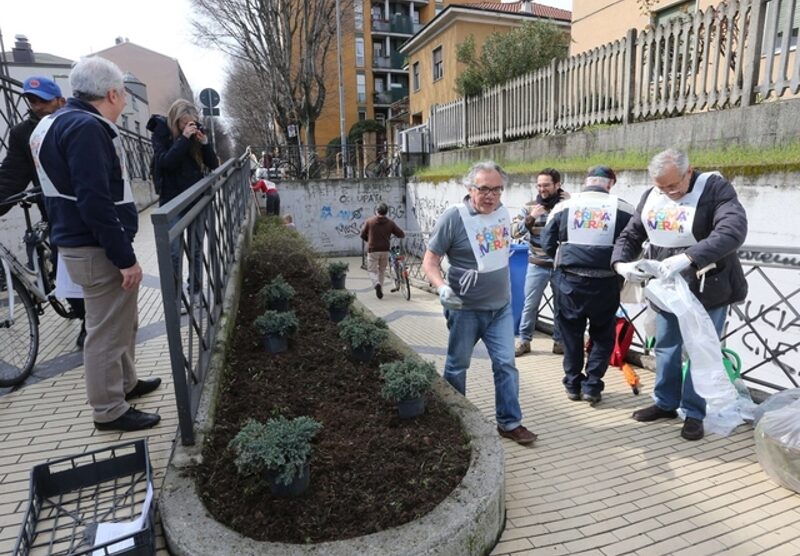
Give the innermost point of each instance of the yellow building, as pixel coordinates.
(431, 53)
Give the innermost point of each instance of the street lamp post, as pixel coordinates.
(342, 137)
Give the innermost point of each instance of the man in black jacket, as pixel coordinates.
(691, 220)
(17, 170)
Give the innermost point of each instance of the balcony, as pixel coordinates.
(381, 26)
(398, 24)
(390, 96)
(381, 62)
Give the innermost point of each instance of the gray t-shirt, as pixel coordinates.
(492, 291)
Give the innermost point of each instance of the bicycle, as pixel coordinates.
(24, 291)
(399, 272)
(317, 168)
(382, 167)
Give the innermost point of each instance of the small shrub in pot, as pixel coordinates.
(277, 294)
(337, 270)
(406, 382)
(338, 303)
(363, 335)
(276, 326)
(279, 450)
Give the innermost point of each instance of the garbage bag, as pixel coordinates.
(777, 400)
(725, 407)
(778, 445)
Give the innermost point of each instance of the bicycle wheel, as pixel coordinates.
(405, 286)
(375, 169)
(318, 170)
(19, 336)
(285, 170)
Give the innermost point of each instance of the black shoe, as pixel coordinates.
(379, 291)
(574, 396)
(591, 398)
(131, 420)
(394, 290)
(692, 429)
(143, 387)
(81, 336)
(652, 413)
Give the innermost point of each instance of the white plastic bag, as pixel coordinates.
(778, 445)
(725, 409)
(778, 400)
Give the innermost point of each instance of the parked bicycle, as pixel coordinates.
(383, 167)
(399, 272)
(316, 168)
(25, 290)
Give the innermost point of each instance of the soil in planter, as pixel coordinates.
(369, 470)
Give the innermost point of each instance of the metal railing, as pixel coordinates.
(208, 223)
(733, 55)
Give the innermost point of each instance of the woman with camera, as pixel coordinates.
(182, 155)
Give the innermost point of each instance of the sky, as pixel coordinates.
(161, 25)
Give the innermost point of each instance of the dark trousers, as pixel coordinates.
(582, 299)
(273, 204)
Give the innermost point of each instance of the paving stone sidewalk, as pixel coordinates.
(596, 482)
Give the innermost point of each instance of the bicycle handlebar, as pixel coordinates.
(27, 196)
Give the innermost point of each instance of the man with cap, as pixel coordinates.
(580, 235)
(17, 169)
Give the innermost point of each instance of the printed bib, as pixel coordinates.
(591, 219)
(48, 187)
(489, 236)
(669, 223)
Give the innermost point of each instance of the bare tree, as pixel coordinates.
(289, 45)
(249, 109)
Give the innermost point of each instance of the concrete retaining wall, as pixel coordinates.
(765, 125)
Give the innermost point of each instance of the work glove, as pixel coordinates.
(672, 266)
(630, 272)
(448, 298)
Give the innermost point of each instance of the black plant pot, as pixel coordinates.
(363, 353)
(295, 488)
(337, 283)
(279, 305)
(414, 407)
(275, 343)
(337, 314)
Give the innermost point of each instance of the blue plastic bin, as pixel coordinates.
(518, 265)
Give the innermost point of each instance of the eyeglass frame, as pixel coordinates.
(484, 190)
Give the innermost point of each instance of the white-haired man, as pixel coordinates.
(691, 220)
(81, 166)
(475, 235)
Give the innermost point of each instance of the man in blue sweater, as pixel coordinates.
(81, 166)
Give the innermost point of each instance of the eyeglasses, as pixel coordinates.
(483, 190)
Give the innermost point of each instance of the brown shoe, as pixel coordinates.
(692, 429)
(520, 435)
(558, 349)
(523, 347)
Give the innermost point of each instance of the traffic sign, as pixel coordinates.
(291, 130)
(209, 98)
(210, 111)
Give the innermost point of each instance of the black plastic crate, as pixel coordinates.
(107, 491)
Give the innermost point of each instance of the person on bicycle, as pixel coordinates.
(377, 232)
(93, 221)
(17, 169)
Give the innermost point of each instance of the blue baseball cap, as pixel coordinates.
(43, 87)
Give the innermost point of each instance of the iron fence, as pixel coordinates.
(731, 55)
(205, 226)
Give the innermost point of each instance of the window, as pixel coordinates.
(680, 10)
(358, 8)
(377, 50)
(780, 28)
(438, 63)
(125, 121)
(361, 88)
(415, 75)
(360, 52)
(133, 102)
(137, 128)
(380, 118)
(362, 115)
(379, 88)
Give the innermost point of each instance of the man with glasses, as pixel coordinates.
(691, 220)
(475, 236)
(580, 235)
(530, 221)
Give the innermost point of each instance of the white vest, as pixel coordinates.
(489, 236)
(669, 223)
(591, 219)
(48, 187)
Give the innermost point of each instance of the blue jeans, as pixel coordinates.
(671, 391)
(536, 279)
(496, 329)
